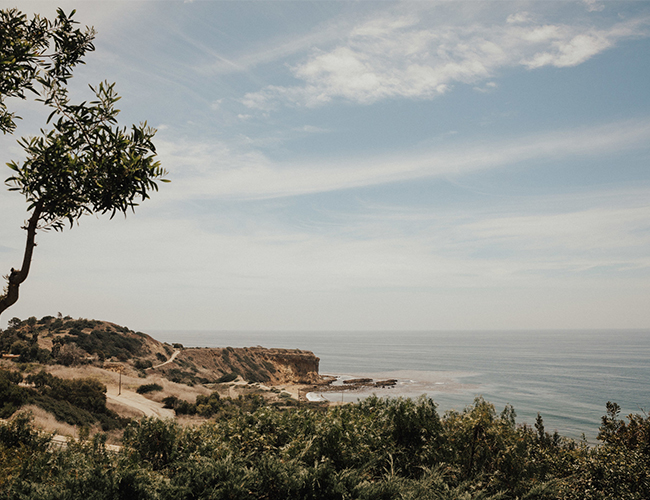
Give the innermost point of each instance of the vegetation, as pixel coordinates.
(376, 449)
(79, 401)
(71, 342)
(146, 388)
(228, 377)
(214, 405)
(85, 164)
(108, 343)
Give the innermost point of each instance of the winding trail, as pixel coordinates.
(176, 353)
(138, 402)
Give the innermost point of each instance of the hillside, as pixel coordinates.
(253, 364)
(77, 342)
(45, 362)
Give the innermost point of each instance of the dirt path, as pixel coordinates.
(138, 403)
(62, 442)
(168, 361)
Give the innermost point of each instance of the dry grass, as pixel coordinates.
(46, 422)
(129, 382)
(180, 391)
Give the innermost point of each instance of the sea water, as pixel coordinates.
(566, 376)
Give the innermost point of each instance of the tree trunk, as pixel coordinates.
(16, 277)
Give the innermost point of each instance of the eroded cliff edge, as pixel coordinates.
(253, 364)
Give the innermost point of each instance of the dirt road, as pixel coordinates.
(139, 403)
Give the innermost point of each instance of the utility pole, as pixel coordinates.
(116, 367)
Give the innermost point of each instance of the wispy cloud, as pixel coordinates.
(216, 171)
(578, 239)
(407, 57)
(274, 50)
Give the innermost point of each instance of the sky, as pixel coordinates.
(371, 165)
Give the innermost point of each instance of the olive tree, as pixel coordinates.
(84, 163)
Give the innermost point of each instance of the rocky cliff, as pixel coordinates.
(253, 364)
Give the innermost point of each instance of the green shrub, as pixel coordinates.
(227, 377)
(12, 396)
(155, 441)
(142, 364)
(384, 449)
(170, 402)
(145, 388)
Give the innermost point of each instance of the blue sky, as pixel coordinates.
(364, 166)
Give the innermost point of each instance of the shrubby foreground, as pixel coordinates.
(375, 449)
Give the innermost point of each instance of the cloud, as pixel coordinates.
(410, 57)
(610, 230)
(593, 5)
(488, 87)
(275, 50)
(215, 170)
(311, 129)
(519, 17)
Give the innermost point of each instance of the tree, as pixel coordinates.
(86, 163)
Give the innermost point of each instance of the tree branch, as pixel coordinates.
(16, 277)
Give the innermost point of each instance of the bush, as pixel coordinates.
(228, 377)
(378, 449)
(20, 433)
(145, 388)
(14, 323)
(170, 402)
(155, 441)
(142, 364)
(12, 396)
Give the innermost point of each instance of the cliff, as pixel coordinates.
(71, 342)
(253, 364)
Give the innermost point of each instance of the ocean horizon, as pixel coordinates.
(567, 376)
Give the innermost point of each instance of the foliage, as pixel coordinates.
(142, 364)
(75, 346)
(24, 50)
(228, 377)
(85, 164)
(79, 401)
(153, 441)
(213, 404)
(146, 388)
(21, 338)
(108, 342)
(376, 449)
(12, 396)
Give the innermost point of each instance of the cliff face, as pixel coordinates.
(253, 364)
(299, 365)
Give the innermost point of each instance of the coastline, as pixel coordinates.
(397, 383)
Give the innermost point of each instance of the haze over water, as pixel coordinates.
(566, 376)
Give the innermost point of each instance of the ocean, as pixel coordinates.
(566, 376)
